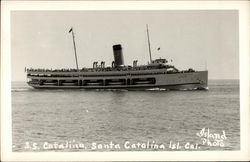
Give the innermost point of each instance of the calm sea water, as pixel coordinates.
(91, 120)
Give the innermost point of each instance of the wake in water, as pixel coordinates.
(25, 89)
(21, 89)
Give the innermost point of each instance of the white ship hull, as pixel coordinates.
(130, 81)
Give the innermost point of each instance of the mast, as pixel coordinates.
(149, 49)
(73, 35)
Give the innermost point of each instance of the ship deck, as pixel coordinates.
(129, 79)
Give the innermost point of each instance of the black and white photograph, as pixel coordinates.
(126, 80)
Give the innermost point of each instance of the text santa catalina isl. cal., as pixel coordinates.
(207, 138)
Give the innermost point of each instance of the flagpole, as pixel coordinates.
(73, 35)
(149, 49)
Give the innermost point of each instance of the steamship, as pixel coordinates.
(157, 74)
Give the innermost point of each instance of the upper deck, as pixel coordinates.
(94, 72)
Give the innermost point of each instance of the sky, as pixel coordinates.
(198, 39)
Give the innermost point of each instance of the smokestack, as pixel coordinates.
(118, 57)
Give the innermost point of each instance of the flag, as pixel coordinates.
(70, 30)
(158, 48)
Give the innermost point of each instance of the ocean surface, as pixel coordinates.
(92, 120)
